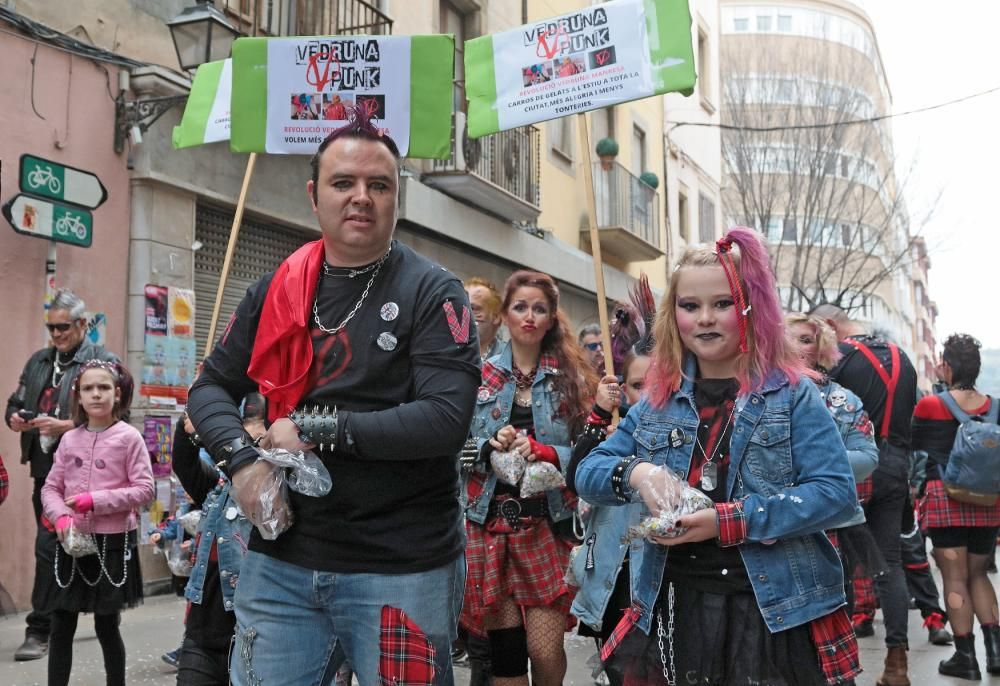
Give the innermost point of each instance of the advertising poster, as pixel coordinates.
(180, 312)
(170, 358)
(584, 60)
(290, 93)
(157, 433)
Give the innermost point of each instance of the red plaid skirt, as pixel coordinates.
(938, 510)
(528, 565)
(864, 490)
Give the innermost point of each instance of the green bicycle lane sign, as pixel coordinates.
(60, 182)
(53, 221)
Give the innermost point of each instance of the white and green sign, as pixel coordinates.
(206, 114)
(61, 182)
(584, 60)
(50, 220)
(290, 93)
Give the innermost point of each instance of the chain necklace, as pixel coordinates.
(709, 470)
(523, 382)
(377, 267)
(59, 368)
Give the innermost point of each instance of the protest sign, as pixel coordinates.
(290, 93)
(206, 114)
(584, 60)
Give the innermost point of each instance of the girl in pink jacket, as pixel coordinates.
(100, 477)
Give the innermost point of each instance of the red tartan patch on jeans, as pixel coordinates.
(406, 655)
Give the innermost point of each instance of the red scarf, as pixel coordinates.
(282, 351)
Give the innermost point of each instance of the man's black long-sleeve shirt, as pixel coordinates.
(403, 376)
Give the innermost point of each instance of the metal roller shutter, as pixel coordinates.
(261, 248)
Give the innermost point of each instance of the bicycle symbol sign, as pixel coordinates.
(41, 218)
(50, 179)
(42, 177)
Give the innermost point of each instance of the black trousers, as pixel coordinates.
(199, 667)
(43, 590)
(884, 512)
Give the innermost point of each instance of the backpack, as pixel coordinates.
(973, 472)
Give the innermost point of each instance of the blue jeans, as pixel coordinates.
(296, 626)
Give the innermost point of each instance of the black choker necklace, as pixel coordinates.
(350, 272)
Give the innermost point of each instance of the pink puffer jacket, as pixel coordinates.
(113, 466)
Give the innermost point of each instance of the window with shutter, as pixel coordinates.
(261, 247)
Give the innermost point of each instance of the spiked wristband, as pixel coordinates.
(316, 427)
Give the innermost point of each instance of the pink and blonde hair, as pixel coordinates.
(768, 348)
(827, 352)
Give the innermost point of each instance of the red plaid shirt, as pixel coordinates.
(836, 646)
(495, 378)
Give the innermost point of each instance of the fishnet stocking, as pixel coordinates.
(544, 627)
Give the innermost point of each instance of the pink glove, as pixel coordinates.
(64, 522)
(83, 503)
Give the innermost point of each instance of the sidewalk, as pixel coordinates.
(155, 627)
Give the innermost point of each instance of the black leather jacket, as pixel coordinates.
(34, 379)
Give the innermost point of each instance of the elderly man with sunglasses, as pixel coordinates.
(39, 410)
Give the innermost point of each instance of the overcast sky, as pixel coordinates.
(934, 52)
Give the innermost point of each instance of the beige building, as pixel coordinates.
(825, 194)
(693, 153)
(499, 203)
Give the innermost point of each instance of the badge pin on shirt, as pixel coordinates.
(389, 311)
(838, 398)
(386, 341)
(676, 438)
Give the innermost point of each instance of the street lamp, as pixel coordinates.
(201, 34)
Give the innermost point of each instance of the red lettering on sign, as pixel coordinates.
(545, 49)
(313, 75)
(602, 57)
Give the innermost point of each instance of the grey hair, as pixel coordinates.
(588, 330)
(66, 299)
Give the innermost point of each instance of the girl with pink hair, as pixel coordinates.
(733, 432)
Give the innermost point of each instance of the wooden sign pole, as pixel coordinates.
(230, 249)
(595, 248)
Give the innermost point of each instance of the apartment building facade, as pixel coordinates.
(825, 193)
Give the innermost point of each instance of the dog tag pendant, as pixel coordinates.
(709, 474)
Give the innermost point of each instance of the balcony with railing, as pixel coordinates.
(628, 216)
(499, 173)
(306, 17)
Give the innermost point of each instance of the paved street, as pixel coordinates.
(156, 627)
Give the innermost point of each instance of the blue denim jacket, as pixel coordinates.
(858, 434)
(222, 522)
(603, 551)
(493, 407)
(789, 467)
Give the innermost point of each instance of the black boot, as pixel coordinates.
(963, 663)
(991, 637)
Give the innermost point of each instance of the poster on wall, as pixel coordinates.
(157, 433)
(584, 60)
(169, 359)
